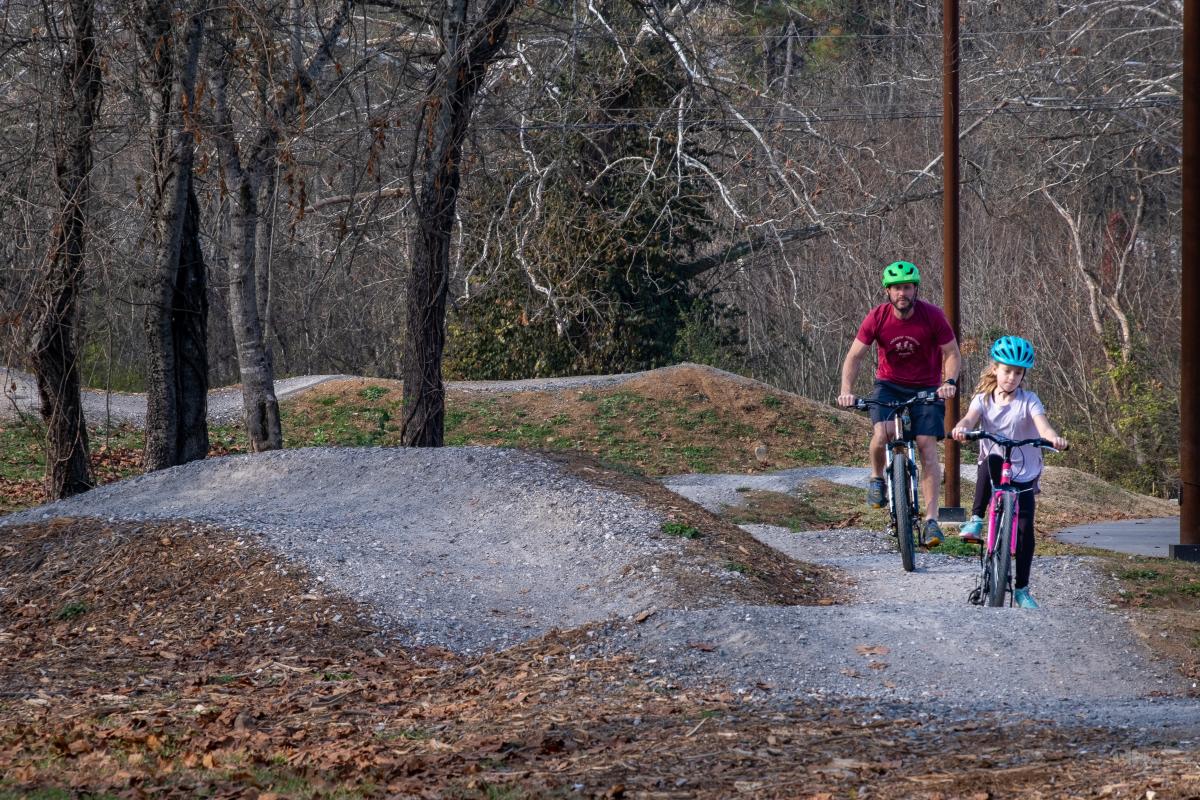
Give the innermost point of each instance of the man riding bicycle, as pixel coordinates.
(917, 352)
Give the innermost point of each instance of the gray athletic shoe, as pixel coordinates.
(876, 487)
(932, 533)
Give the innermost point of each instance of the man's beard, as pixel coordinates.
(896, 303)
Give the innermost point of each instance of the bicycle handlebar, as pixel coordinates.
(920, 398)
(1004, 441)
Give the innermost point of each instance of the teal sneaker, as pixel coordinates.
(1024, 598)
(970, 530)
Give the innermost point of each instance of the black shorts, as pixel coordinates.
(927, 420)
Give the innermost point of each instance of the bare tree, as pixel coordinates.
(467, 49)
(55, 357)
(177, 374)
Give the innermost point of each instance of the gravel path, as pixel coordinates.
(19, 393)
(224, 405)
(913, 638)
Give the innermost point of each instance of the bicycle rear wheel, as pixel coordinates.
(901, 508)
(1000, 559)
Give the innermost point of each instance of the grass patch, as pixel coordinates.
(73, 610)
(953, 546)
(819, 505)
(1156, 582)
(680, 529)
(688, 422)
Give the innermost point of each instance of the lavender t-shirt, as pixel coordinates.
(1015, 421)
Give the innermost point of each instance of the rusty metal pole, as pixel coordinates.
(1189, 360)
(950, 221)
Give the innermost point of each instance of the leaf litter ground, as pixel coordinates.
(178, 660)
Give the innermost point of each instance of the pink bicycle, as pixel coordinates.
(997, 551)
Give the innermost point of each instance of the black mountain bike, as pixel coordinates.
(902, 476)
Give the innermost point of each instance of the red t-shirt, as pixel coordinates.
(910, 350)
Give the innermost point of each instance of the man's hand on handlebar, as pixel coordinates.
(846, 400)
(947, 390)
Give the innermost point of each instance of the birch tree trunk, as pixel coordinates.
(445, 117)
(55, 359)
(177, 319)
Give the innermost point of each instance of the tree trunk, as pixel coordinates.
(445, 118)
(259, 404)
(262, 260)
(245, 174)
(55, 360)
(177, 320)
(260, 407)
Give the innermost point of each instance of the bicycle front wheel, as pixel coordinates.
(1000, 559)
(901, 509)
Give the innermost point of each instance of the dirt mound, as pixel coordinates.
(467, 548)
(1070, 497)
(666, 422)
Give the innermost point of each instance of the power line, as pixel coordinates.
(1067, 32)
(802, 119)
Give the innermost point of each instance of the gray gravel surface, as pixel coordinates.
(469, 548)
(19, 395)
(913, 638)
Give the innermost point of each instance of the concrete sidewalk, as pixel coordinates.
(1142, 537)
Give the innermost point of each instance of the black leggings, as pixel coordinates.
(1026, 505)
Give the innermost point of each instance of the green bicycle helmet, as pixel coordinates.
(901, 272)
(1014, 351)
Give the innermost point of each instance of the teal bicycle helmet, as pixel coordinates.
(901, 272)
(1014, 351)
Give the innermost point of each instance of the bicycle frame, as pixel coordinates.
(997, 503)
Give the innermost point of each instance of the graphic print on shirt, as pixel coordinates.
(903, 346)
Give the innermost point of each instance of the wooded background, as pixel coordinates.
(198, 194)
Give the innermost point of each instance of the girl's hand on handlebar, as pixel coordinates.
(1060, 443)
(846, 400)
(959, 434)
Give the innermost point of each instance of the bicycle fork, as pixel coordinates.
(914, 484)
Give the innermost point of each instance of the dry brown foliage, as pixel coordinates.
(196, 663)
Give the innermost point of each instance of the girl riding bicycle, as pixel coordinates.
(1001, 406)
